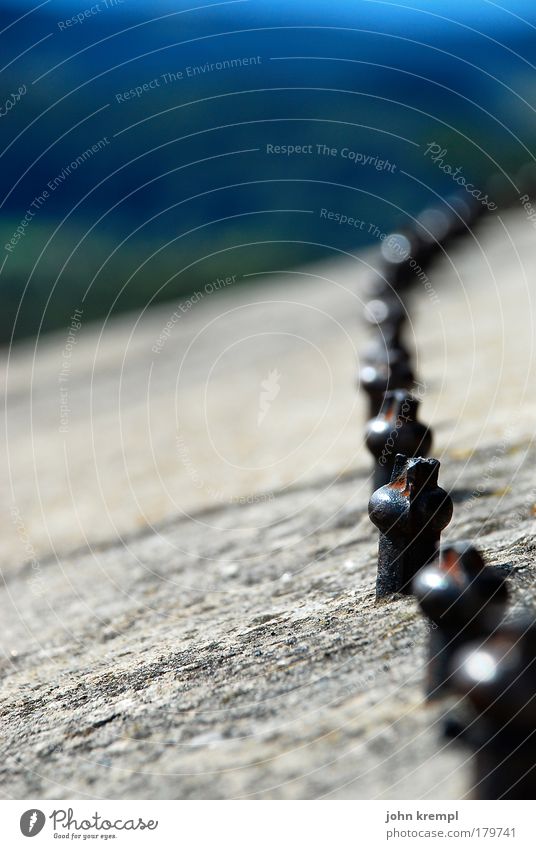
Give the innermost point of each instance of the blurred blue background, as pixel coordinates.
(181, 189)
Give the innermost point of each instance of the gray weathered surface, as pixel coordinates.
(161, 639)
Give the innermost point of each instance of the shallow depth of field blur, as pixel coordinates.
(139, 140)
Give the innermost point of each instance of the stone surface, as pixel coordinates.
(188, 569)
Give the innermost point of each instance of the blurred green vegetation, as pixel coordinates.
(167, 224)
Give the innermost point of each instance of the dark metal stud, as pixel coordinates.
(375, 379)
(387, 346)
(398, 250)
(385, 311)
(377, 285)
(387, 316)
(463, 211)
(464, 599)
(432, 229)
(410, 513)
(395, 430)
(498, 678)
